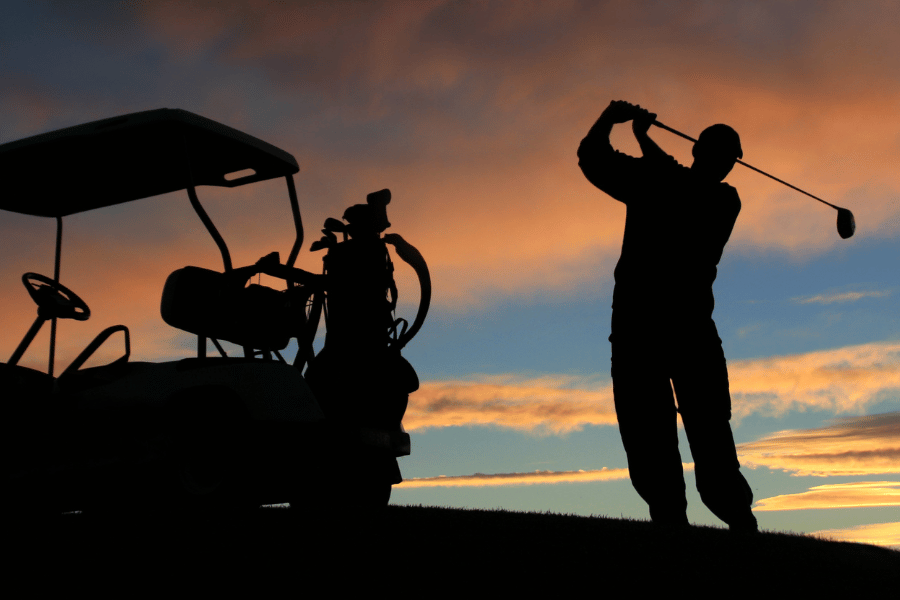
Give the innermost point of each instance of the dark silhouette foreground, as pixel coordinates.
(663, 335)
(417, 547)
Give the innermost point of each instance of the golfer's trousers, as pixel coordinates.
(648, 361)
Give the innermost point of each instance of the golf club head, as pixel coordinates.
(846, 224)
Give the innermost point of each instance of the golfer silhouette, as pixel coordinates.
(677, 223)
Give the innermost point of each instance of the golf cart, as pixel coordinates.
(208, 432)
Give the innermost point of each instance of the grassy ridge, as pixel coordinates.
(528, 543)
(425, 546)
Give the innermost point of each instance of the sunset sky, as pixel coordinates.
(471, 113)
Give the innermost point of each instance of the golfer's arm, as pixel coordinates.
(601, 129)
(601, 164)
(649, 148)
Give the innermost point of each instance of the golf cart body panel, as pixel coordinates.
(95, 436)
(267, 389)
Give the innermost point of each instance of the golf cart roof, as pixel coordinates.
(130, 157)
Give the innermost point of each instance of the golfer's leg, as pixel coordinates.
(701, 386)
(721, 485)
(647, 423)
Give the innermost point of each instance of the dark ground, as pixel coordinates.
(424, 550)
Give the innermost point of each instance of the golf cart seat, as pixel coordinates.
(214, 305)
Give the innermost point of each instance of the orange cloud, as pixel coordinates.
(472, 113)
(844, 380)
(865, 494)
(547, 404)
(840, 380)
(858, 446)
(879, 534)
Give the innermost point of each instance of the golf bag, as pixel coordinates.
(359, 376)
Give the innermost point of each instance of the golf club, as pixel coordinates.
(846, 224)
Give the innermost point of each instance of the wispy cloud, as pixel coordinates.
(844, 380)
(553, 404)
(841, 380)
(865, 494)
(530, 478)
(879, 534)
(859, 446)
(840, 297)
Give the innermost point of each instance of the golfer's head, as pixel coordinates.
(716, 151)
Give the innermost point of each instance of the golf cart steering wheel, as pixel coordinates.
(54, 299)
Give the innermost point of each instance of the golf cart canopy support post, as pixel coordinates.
(298, 222)
(211, 228)
(56, 265)
(39, 322)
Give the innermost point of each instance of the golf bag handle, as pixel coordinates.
(413, 258)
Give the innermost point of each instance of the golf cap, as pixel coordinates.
(723, 138)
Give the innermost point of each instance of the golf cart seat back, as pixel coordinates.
(214, 305)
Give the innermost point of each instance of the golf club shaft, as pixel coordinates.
(793, 187)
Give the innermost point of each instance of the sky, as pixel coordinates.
(471, 113)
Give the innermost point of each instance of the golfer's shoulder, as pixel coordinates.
(729, 195)
(596, 151)
(662, 160)
(599, 157)
(665, 164)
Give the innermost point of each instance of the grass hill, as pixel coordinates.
(427, 549)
